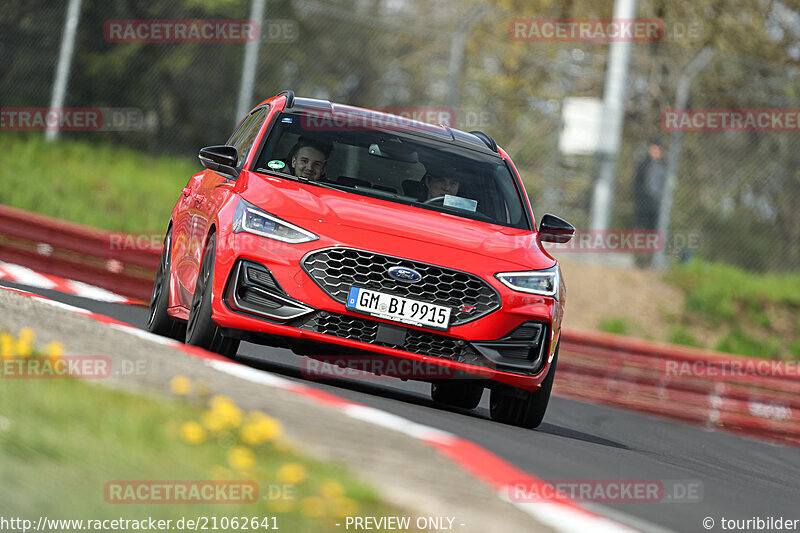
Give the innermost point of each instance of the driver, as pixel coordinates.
(309, 158)
(439, 186)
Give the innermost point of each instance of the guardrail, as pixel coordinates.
(752, 396)
(53, 246)
(715, 390)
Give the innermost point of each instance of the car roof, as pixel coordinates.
(438, 132)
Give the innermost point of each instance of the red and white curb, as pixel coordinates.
(26, 276)
(561, 515)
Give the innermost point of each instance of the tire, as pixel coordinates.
(528, 410)
(158, 320)
(458, 393)
(201, 330)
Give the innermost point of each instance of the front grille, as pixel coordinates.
(335, 270)
(364, 330)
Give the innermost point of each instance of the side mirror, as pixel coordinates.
(554, 229)
(222, 158)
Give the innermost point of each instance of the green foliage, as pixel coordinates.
(740, 343)
(618, 325)
(794, 349)
(715, 291)
(95, 184)
(681, 335)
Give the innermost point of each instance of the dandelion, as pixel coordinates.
(312, 506)
(344, 507)
(7, 346)
(180, 385)
(331, 489)
(292, 473)
(25, 342)
(260, 428)
(241, 458)
(193, 433)
(213, 421)
(55, 350)
(227, 411)
(27, 335)
(283, 504)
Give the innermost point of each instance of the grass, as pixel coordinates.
(99, 185)
(617, 325)
(724, 296)
(718, 290)
(63, 440)
(681, 335)
(739, 342)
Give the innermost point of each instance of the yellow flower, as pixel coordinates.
(193, 433)
(260, 428)
(213, 421)
(27, 335)
(24, 347)
(180, 385)
(331, 489)
(312, 506)
(55, 349)
(7, 345)
(224, 408)
(281, 505)
(292, 473)
(344, 507)
(241, 458)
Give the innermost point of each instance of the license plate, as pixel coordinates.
(398, 309)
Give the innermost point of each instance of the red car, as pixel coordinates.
(346, 232)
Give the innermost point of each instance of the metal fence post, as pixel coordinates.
(64, 63)
(613, 119)
(250, 63)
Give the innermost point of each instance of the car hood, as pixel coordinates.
(335, 214)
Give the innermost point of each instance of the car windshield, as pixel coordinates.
(394, 166)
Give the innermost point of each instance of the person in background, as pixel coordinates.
(648, 186)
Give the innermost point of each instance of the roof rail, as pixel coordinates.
(289, 97)
(486, 138)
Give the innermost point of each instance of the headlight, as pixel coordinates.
(251, 219)
(544, 282)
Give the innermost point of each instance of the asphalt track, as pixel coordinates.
(739, 477)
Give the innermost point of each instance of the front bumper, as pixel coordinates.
(511, 345)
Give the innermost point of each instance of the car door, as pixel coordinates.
(214, 187)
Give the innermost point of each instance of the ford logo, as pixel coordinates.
(405, 274)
